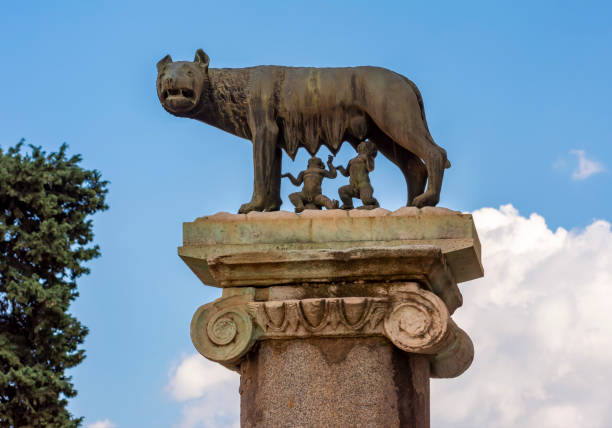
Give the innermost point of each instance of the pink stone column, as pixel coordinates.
(351, 382)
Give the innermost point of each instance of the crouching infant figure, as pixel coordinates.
(358, 169)
(311, 196)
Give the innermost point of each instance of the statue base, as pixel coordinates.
(334, 318)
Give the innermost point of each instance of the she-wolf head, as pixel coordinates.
(180, 84)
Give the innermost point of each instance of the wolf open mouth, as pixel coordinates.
(184, 93)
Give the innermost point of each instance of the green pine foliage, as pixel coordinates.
(45, 202)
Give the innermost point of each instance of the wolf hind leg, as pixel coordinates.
(435, 161)
(413, 169)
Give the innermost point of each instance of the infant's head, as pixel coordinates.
(315, 162)
(367, 148)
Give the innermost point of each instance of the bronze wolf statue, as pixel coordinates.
(290, 107)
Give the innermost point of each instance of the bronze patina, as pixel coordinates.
(311, 196)
(358, 169)
(290, 107)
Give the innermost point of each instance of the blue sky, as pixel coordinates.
(516, 92)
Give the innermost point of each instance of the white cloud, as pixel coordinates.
(194, 375)
(101, 424)
(217, 407)
(542, 327)
(540, 320)
(210, 393)
(586, 167)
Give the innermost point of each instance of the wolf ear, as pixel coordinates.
(162, 62)
(201, 59)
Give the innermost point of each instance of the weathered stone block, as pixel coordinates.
(270, 234)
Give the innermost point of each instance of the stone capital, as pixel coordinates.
(413, 319)
(334, 275)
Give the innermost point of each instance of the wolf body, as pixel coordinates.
(285, 108)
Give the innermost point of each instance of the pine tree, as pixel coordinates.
(45, 201)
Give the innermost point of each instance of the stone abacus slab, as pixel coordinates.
(213, 246)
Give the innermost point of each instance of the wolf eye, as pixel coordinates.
(189, 73)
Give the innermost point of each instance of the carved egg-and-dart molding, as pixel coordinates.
(415, 321)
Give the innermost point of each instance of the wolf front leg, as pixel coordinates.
(273, 198)
(267, 159)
